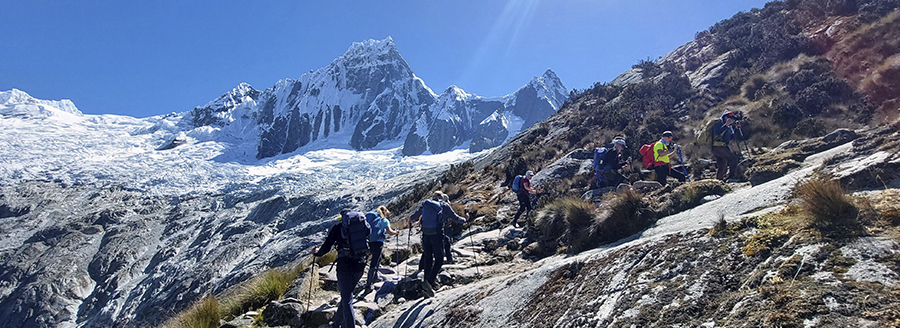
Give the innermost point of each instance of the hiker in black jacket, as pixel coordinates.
(613, 161)
(723, 133)
(524, 197)
(432, 215)
(349, 271)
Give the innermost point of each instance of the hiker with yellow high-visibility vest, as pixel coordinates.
(661, 162)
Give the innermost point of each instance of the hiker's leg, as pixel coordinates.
(732, 165)
(427, 255)
(374, 263)
(346, 283)
(613, 178)
(447, 250)
(524, 203)
(662, 172)
(601, 181)
(722, 155)
(678, 175)
(435, 242)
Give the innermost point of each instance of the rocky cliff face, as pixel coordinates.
(370, 96)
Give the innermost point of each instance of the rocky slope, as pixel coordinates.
(87, 253)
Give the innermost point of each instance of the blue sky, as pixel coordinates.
(144, 58)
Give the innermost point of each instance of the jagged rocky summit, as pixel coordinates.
(368, 98)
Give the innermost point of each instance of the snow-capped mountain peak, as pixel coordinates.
(18, 102)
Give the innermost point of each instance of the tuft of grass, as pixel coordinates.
(260, 290)
(204, 314)
(827, 206)
(720, 228)
(580, 217)
(627, 215)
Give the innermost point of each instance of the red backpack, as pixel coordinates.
(647, 154)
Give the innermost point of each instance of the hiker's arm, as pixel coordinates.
(455, 217)
(329, 242)
(416, 217)
(390, 230)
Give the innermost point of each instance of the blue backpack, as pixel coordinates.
(431, 218)
(355, 232)
(517, 182)
(374, 221)
(599, 153)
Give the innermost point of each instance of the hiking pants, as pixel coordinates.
(725, 161)
(448, 252)
(375, 247)
(524, 205)
(344, 317)
(432, 256)
(664, 171)
(613, 178)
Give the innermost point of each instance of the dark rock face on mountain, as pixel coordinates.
(368, 96)
(457, 116)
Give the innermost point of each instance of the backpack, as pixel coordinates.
(431, 218)
(517, 182)
(647, 154)
(599, 153)
(705, 135)
(355, 232)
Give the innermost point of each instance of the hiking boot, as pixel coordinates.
(427, 289)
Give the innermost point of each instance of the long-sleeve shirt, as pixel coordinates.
(722, 134)
(612, 160)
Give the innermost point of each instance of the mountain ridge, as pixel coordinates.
(371, 94)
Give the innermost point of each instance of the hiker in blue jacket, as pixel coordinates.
(349, 270)
(432, 215)
(380, 225)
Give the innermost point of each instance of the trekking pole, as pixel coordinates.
(408, 236)
(309, 296)
(683, 167)
(474, 252)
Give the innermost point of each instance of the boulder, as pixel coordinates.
(287, 312)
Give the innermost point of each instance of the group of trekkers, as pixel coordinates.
(609, 162)
(357, 236)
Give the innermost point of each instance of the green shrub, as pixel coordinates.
(810, 127)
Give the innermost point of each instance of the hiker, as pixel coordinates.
(378, 221)
(432, 215)
(351, 260)
(723, 132)
(523, 194)
(608, 172)
(661, 163)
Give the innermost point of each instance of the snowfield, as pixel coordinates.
(41, 141)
